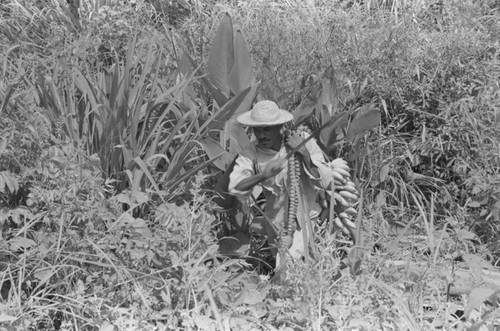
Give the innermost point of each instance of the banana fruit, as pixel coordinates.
(345, 197)
(337, 203)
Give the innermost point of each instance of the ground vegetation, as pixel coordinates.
(113, 134)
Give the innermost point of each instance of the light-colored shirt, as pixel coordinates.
(252, 160)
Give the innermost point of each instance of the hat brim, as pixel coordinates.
(245, 119)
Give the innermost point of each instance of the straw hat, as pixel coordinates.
(265, 113)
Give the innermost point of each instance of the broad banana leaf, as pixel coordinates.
(221, 56)
(241, 75)
(214, 150)
(219, 97)
(366, 118)
(301, 113)
(238, 138)
(331, 133)
(217, 121)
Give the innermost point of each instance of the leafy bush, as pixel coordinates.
(73, 243)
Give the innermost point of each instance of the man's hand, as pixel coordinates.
(273, 167)
(294, 140)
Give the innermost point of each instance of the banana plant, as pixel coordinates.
(349, 118)
(229, 81)
(135, 124)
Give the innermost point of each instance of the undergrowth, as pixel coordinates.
(106, 208)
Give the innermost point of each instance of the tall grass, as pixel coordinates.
(78, 253)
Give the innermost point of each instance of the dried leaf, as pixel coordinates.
(106, 326)
(21, 243)
(475, 264)
(43, 275)
(474, 204)
(251, 296)
(477, 297)
(205, 323)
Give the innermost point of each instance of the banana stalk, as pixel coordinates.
(293, 200)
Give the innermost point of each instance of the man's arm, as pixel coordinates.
(271, 169)
(248, 183)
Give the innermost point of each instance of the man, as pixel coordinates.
(263, 164)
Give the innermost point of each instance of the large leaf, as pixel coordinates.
(247, 101)
(219, 97)
(366, 118)
(238, 138)
(302, 112)
(185, 69)
(329, 94)
(325, 97)
(233, 131)
(214, 150)
(221, 56)
(218, 120)
(329, 134)
(240, 76)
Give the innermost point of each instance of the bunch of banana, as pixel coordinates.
(341, 209)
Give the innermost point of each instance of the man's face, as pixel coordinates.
(268, 136)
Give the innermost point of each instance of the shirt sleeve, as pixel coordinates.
(243, 168)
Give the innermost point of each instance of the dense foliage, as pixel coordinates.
(106, 170)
